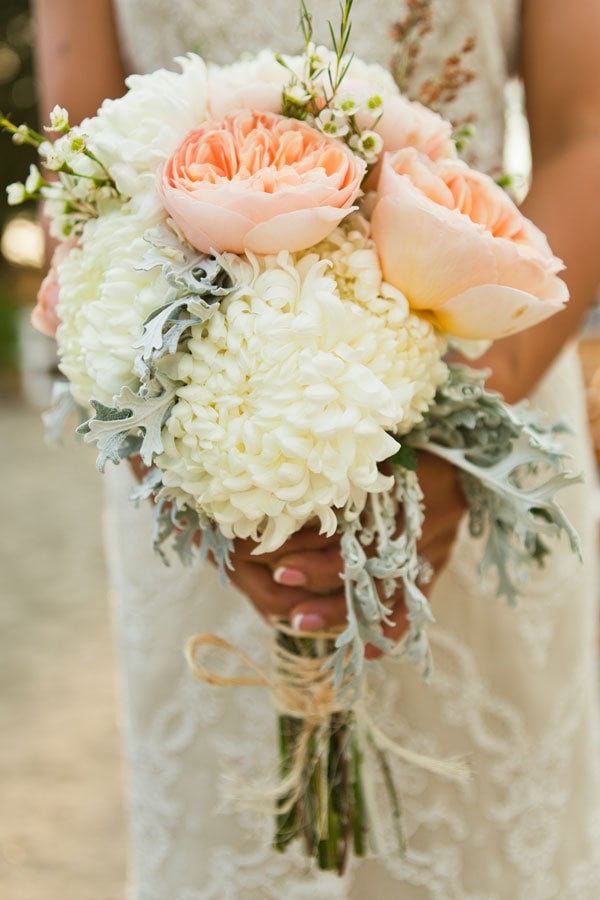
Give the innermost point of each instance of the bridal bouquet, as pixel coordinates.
(261, 269)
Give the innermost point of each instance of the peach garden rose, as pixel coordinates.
(44, 317)
(460, 250)
(259, 182)
(406, 123)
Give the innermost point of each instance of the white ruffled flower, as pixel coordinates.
(290, 391)
(256, 83)
(103, 302)
(378, 80)
(136, 133)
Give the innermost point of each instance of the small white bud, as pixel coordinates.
(16, 193)
(34, 180)
(19, 136)
(298, 95)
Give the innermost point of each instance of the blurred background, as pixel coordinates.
(62, 825)
(62, 822)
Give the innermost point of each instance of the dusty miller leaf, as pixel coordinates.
(186, 269)
(511, 469)
(63, 408)
(146, 411)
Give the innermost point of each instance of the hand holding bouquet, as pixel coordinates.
(262, 267)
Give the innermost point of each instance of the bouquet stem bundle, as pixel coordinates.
(323, 797)
(323, 801)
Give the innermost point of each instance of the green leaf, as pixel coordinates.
(406, 457)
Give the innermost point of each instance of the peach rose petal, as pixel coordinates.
(209, 227)
(425, 256)
(295, 230)
(492, 311)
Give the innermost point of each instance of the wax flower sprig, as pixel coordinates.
(83, 183)
(316, 96)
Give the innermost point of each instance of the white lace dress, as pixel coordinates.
(514, 690)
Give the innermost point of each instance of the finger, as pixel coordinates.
(268, 597)
(315, 614)
(319, 571)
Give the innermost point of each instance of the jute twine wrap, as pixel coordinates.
(299, 686)
(301, 689)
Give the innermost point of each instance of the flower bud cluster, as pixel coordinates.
(315, 97)
(80, 187)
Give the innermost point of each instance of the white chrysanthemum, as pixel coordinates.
(103, 303)
(289, 392)
(354, 260)
(134, 134)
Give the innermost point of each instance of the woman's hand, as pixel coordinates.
(301, 581)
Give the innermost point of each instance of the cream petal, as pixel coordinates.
(523, 267)
(226, 98)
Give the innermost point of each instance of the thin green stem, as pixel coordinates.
(358, 818)
(392, 795)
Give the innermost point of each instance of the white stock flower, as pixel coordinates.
(290, 391)
(51, 158)
(103, 302)
(136, 133)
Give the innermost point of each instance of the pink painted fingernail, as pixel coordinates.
(308, 622)
(289, 577)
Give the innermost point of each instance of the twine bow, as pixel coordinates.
(302, 689)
